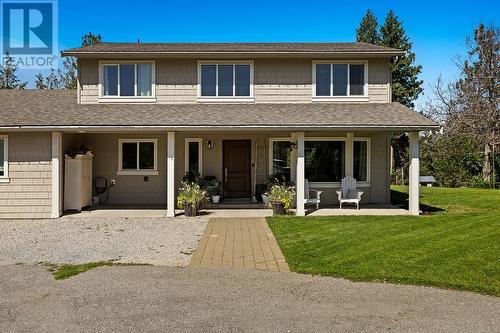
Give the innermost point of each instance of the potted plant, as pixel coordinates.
(280, 198)
(191, 198)
(216, 194)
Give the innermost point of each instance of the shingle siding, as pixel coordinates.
(28, 194)
(275, 80)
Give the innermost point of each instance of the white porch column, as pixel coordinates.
(170, 174)
(349, 154)
(300, 174)
(293, 159)
(57, 174)
(414, 190)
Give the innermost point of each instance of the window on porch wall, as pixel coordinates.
(282, 158)
(324, 161)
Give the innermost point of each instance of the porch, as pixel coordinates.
(143, 169)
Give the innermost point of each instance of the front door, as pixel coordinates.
(236, 168)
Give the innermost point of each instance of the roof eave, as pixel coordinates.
(339, 54)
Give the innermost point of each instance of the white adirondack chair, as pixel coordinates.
(349, 193)
(312, 197)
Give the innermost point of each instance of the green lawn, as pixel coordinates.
(456, 246)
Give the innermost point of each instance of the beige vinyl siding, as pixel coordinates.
(89, 80)
(28, 193)
(379, 88)
(275, 80)
(282, 81)
(176, 81)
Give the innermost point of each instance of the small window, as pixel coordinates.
(324, 161)
(193, 158)
(339, 80)
(4, 163)
(127, 80)
(137, 156)
(225, 80)
(360, 160)
(281, 158)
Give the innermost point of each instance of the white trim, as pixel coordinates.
(127, 99)
(5, 177)
(301, 167)
(348, 97)
(414, 173)
(138, 171)
(187, 141)
(170, 174)
(224, 99)
(57, 160)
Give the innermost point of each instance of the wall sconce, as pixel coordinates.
(210, 144)
(293, 145)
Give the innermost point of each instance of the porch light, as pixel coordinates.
(293, 145)
(210, 144)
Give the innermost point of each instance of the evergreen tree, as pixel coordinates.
(40, 82)
(405, 83)
(8, 77)
(91, 39)
(68, 79)
(368, 29)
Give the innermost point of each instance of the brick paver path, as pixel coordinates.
(239, 242)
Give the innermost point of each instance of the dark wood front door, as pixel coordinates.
(236, 168)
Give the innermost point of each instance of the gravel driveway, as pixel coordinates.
(147, 240)
(170, 299)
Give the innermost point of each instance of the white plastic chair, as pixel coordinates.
(349, 193)
(312, 197)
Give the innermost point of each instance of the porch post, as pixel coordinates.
(170, 174)
(293, 158)
(300, 174)
(57, 166)
(414, 190)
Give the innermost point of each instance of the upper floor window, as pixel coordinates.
(127, 79)
(332, 79)
(226, 80)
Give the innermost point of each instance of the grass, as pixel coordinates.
(65, 271)
(456, 246)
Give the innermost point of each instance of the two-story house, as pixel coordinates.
(237, 111)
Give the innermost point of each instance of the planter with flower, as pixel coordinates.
(281, 198)
(191, 198)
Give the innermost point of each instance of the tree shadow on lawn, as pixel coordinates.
(401, 199)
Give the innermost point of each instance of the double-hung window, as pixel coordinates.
(130, 80)
(225, 80)
(4, 158)
(137, 156)
(340, 80)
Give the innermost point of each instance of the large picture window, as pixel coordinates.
(324, 161)
(339, 79)
(193, 155)
(137, 156)
(225, 80)
(127, 80)
(4, 160)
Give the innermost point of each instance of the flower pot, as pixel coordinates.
(190, 210)
(215, 199)
(278, 208)
(264, 198)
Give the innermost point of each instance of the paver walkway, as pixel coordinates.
(239, 242)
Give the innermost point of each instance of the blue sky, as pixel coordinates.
(437, 28)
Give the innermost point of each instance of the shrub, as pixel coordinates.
(191, 194)
(283, 194)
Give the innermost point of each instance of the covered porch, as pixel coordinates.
(242, 162)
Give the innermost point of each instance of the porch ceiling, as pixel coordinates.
(47, 109)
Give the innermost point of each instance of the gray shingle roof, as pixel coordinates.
(59, 108)
(231, 48)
